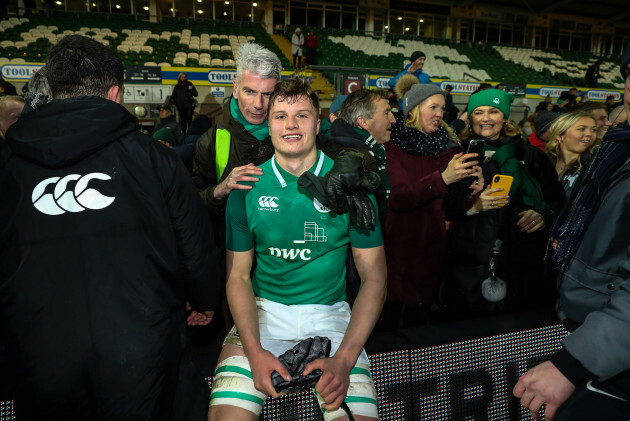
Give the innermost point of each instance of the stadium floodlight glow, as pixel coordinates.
(407, 28)
(399, 18)
(227, 2)
(386, 26)
(224, 13)
(58, 3)
(255, 4)
(118, 6)
(200, 12)
(146, 7)
(421, 20)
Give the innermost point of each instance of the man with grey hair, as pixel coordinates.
(229, 152)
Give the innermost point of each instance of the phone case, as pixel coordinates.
(504, 182)
(475, 146)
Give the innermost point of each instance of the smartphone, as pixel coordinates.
(475, 146)
(504, 182)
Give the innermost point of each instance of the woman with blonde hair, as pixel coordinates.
(572, 138)
(429, 179)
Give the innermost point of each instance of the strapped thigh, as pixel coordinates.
(234, 385)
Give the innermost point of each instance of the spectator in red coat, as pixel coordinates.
(311, 43)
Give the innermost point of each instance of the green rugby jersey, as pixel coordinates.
(300, 246)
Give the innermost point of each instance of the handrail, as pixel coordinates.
(355, 69)
(471, 76)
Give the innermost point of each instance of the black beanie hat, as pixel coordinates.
(416, 55)
(544, 120)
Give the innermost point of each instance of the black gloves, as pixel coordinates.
(348, 175)
(361, 210)
(344, 187)
(296, 359)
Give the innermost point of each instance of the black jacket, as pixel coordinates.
(521, 259)
(184, 96)
(343, 134)
(103, 239)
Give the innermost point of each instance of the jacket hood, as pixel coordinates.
(65, 131)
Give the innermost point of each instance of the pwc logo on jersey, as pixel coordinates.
(76, 200)
(290, 254)
(268, 203)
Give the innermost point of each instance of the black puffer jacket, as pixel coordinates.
(521, 260)
(103, 239)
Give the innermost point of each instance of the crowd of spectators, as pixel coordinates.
(411, 175)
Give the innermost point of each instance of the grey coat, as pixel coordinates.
(595, 286)
(297, 41)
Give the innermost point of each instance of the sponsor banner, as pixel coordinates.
(381, 81)
(541, 92)
(203, 76)
(378, 81)
(460, 87)
(19, 72)
(601, 94)
(199, 75)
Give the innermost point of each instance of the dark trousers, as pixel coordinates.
(185, 118)
(587, 404)
(311, 56)
(298, 59)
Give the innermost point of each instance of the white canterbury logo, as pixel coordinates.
(497, 101)
(62, 201)
(268, 201)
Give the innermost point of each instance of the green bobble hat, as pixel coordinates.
(165, 135)
(491, 98)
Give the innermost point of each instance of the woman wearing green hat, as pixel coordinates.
(518, 223)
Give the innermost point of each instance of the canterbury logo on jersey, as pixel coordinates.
(76, 200)
(290, 254)
(268, 203)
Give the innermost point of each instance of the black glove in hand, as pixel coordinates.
(346, 176)
(344, 187)
(361, 209)
(296, 359)
(315, 185)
